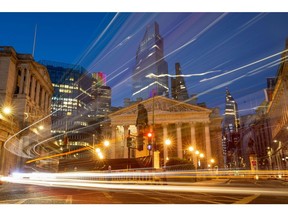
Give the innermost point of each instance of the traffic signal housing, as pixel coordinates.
(149, 138)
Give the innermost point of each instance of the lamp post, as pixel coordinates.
(201, 155)
(106, 143)
(191, 149)
(168, 143)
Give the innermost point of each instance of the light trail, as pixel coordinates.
(98, 39)
(59, 155)
(84, 180)
(240, 30)
(179, 48)
(152, 75)
(151, 84)
(244, 66)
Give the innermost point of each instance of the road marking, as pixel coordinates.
(109, 197)
(247, 200)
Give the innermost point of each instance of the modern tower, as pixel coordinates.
(178, 87)
(150, 72)
(70, 105)
(101, 95)
(230, 133)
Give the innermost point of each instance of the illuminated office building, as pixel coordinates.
(149, 74)
(69, 104)
(230, 135)
(101, 94)
(80, 101)
(178, 87)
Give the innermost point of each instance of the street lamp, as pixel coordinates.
(191, 149)
(7, 110)
(40, 127)
(201, 155)
(106, 143)
(212, 161)
(168, 143)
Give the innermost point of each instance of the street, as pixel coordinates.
(233, 191)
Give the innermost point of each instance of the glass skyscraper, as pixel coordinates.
(230, 133)
(150, 72)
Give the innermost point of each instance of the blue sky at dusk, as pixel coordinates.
(216, 50)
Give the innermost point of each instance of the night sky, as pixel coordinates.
(238, 50)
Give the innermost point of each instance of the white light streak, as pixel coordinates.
(146, 87)
(122, 180)
(152, 75)
(245, 66)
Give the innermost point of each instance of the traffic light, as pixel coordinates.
(149, 147)
(140, 142)
(149, 136)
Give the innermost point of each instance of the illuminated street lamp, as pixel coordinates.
(41, 127)
(191, 149)
(100, 155)
(97, 150)
(7, 110)
(168, 143)
(106, 143)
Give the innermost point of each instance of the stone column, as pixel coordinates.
(179, 141)
(42, 98)
(22, 81)
(165, 147)
(208, 144)
(193, 143)
(126, 127)
(33, 89)
(114, 142)
(37, 93)
(46, 102)
(27, 83)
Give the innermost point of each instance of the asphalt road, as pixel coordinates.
(30, 194)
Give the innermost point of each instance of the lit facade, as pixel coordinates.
(80, 101)
(70, 109)
(278, 115)
(184, 124)
(230, 133)
(149, 76)
(26, 87)
(101, 95)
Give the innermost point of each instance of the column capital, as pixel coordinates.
(126, 127)
(165, 124)
(192, 124)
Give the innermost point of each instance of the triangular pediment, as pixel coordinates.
(160, 104)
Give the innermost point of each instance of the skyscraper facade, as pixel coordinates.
(70, 105)
(101, 95)
(178, 87)
(230, 134)
(149, 76)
